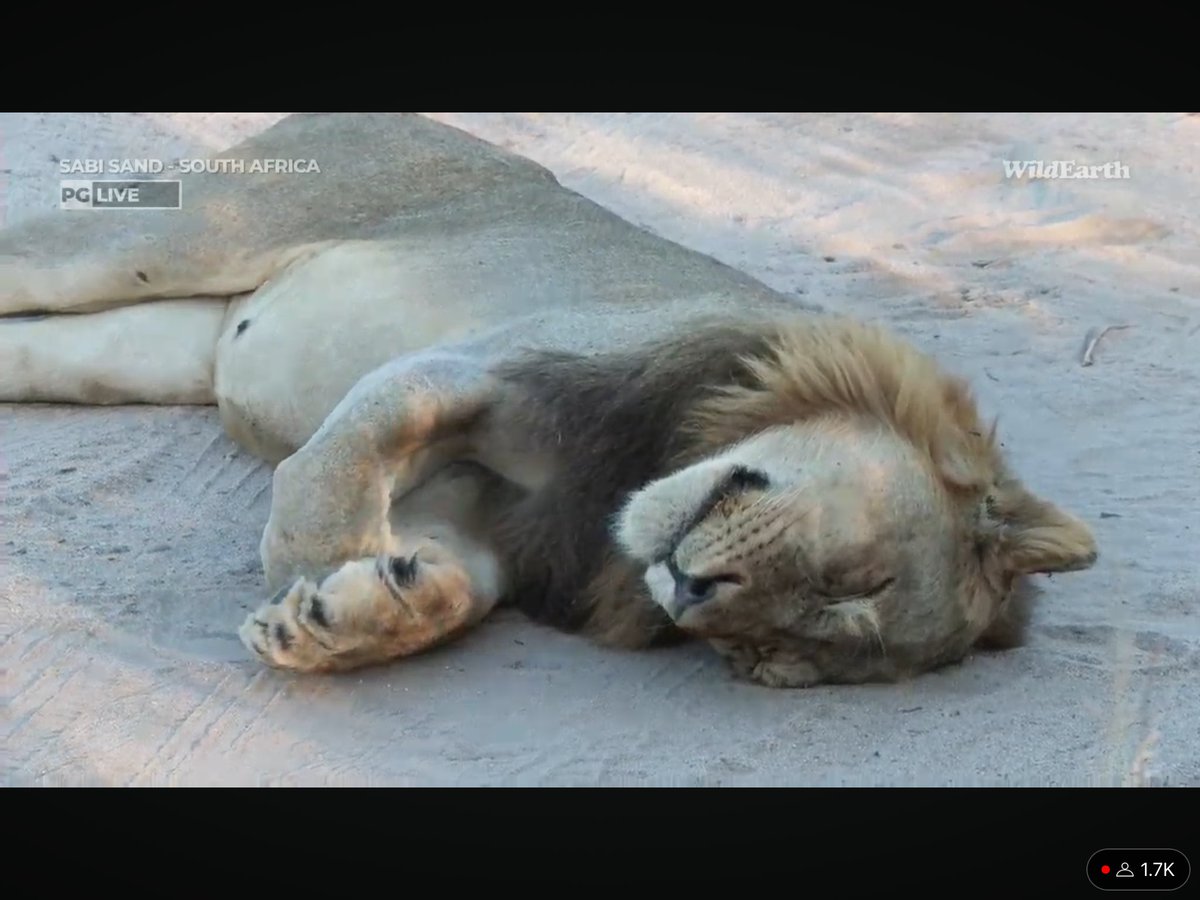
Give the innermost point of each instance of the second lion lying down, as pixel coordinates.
(812, 496)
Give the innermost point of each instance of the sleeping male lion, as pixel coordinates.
(481, 388)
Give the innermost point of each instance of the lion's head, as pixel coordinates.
(843, 515)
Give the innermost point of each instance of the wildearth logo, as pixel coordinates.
(1062, 168)
(152, 194)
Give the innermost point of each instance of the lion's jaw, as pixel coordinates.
(832, 541)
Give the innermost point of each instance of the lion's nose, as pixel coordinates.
(690, 591)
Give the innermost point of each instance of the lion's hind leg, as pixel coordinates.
(375, 610)
(153, 353)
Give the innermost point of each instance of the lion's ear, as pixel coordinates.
(1035, 535)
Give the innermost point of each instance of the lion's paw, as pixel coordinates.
(294, 633)
(786, 674)
(766, 666)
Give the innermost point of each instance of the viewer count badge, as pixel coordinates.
(1138, 869)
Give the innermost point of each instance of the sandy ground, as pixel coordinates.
(109, 678)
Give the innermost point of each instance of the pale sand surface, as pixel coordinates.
(129, 536)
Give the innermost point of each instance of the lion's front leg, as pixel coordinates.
(398, 427)
(371, 611)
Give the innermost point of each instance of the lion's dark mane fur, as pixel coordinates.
(611, 423)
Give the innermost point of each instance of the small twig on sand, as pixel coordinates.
(1139, 771)
(1093, 338)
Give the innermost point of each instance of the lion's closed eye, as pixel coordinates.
(844, 590)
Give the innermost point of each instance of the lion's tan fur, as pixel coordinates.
(432, 299)
(887, 597)
(851, 368)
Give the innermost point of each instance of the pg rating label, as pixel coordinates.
(149, 194)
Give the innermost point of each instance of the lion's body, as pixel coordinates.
(480, 387)
(413, 236)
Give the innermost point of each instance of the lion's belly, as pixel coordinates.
(290, 351)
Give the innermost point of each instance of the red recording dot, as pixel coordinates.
(1104, 870)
